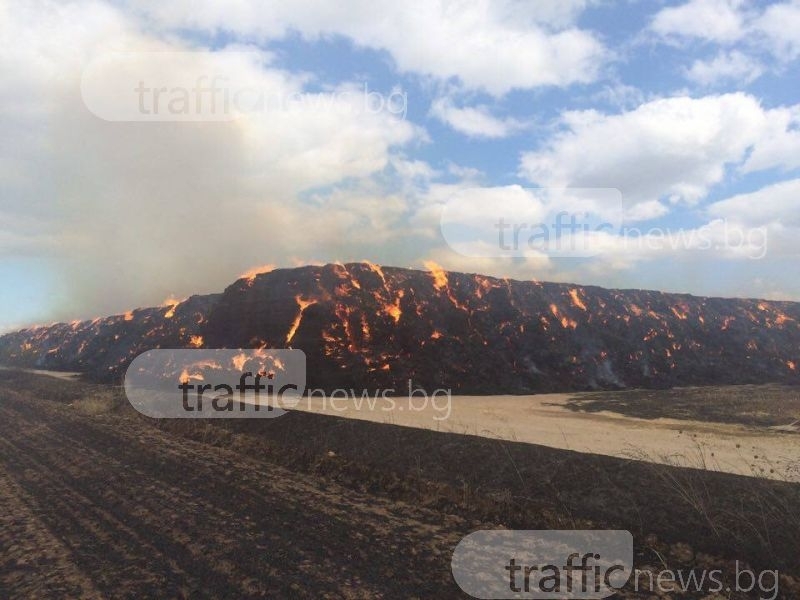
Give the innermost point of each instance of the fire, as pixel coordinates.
(128, 316)
(576, 300)
(393, 309)
(250, 274)
(792, 365)
(170, 303)
(303, 305)
(186, 377)
(377, 270)
(196, 341)
(239, 361)
(436, 335)
(565, 321)
(680, 312)
(439, 275)
(440, 282)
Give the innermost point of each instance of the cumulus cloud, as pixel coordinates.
(768, 28)
(725, 67)
(674, 148)
(493, 46)
(474, 121)
(713, 20)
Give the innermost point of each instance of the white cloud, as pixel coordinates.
(493, 46)
(774, 203)
(473, 121)
(733, 66)
(755, 27)
(712, 20)
(674, 148)
(645, 211)
(779, 146)
(779, 26)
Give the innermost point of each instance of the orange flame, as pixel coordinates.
(196, 341)
(303, 304)
(128, 316)
(439, 275)
(185, 377)
(171, 303)
(576, 300)
(377, 270)
(239, 361)
(394, 310)
(250, 274)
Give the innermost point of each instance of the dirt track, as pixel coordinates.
(92, 507)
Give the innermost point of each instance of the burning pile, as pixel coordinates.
(367, 327)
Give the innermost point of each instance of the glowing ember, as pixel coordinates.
(128, 316)
(196, 341)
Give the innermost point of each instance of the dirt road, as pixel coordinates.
(94, 507)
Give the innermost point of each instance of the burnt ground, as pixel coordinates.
(97, 501)
(750, 405)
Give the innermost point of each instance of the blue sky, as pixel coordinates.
(689, 109)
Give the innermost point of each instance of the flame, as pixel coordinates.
(128, 316)
(440, 283)
(185, 377)
(393, 309)
(439, 275)
(196, 341)
(302, 304)
(680, 311)
(377, 270)
(565, 321)
(250, 274)
(576, 300)
(792, 365)
(171, 303)
(239, 361)
(436, 335)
